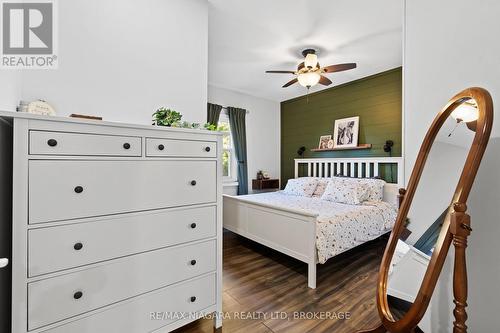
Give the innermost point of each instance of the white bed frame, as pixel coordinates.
(265, 223)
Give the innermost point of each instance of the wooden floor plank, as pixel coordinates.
(266, 291)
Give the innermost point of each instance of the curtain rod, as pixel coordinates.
(225, 108)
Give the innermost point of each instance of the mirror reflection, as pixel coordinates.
(428, 213)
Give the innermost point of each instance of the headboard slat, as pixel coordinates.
(375, 169)
(353, 167)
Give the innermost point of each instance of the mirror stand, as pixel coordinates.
(460, 229)
(438, 230)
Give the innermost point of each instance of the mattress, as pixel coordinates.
(339, 227)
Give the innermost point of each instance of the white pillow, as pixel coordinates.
(320, 189)
(301, 186)
(345, 190)
(375, 187)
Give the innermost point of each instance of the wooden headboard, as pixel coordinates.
(355, 167)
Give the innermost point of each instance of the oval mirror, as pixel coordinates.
(432, 205)
(430, 208)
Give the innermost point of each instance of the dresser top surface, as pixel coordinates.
(10, 115)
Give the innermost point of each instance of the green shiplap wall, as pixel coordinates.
(376, 99)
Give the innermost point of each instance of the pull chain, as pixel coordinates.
(454, 128)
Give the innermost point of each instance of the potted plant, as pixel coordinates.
(166, 117)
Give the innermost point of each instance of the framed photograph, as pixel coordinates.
(345, 132)
(323, 141)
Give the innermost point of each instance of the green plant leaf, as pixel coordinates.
(166, 117)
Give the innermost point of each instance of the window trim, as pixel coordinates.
(233, 174)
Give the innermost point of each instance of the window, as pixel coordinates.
(228, 157)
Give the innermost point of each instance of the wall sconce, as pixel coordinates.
(388, 149)
(388, 146)
(301, 151)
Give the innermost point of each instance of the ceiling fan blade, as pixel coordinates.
(281, 72)
(338, 67)
(289, 83)
(325, 81)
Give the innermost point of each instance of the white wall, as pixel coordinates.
(10, 89)
(451, 45)
(263, 129)
(123, 59)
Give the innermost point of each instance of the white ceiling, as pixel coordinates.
(248, 37)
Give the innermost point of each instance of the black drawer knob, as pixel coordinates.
(78, 189)
(207, 149)
(126, 145)
(193, 225)
(161, 147)
(193, 182)
(77, 295)
(193, 299)
(52, 142)
(78, 246)
(193, 262)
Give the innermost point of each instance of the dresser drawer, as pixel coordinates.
(63, 190)
(57, 248)
(61, 297)
(62, 143)
(148, 312)
(180, 148)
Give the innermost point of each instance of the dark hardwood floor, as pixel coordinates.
(265, 291)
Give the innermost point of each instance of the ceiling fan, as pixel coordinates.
(309, 72)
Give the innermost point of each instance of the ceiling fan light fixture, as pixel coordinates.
(309, 72)
(466, 112)
(308, 79)
(311, 60)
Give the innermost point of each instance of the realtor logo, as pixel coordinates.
(28, 34)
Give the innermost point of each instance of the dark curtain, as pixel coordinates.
(239, 134)
(428, 240)
(213, 113)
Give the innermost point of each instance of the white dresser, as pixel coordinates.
(115, 227)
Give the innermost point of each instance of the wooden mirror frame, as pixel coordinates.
(456, 226)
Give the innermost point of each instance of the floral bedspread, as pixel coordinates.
(340, 227)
